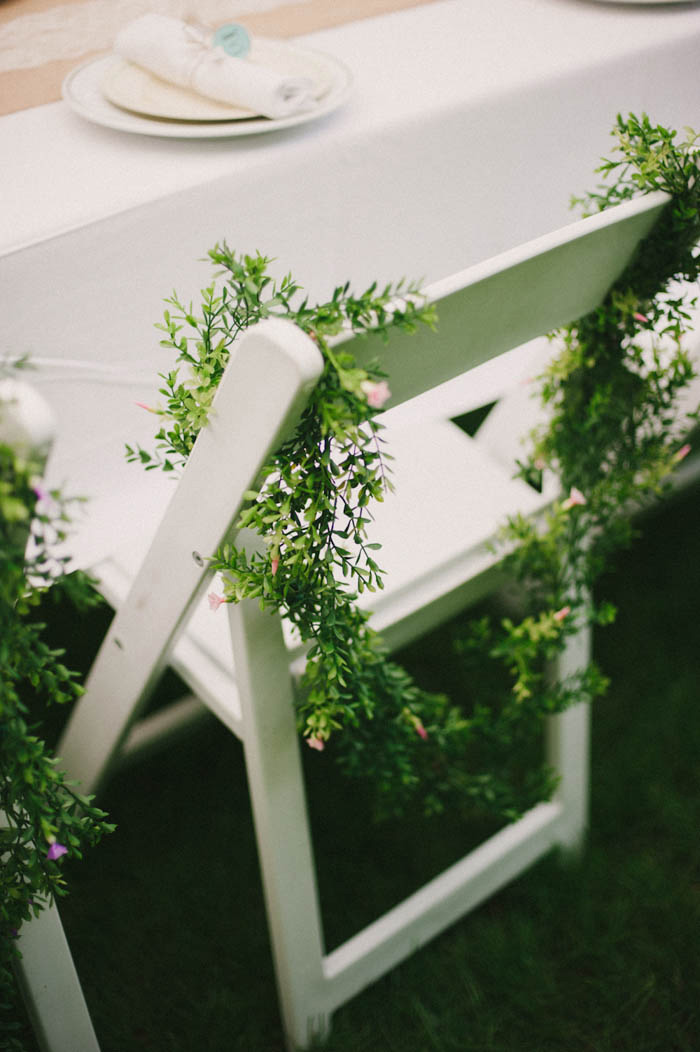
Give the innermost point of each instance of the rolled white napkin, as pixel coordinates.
(181, 54)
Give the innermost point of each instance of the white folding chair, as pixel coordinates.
(45, 970)
(243, 675)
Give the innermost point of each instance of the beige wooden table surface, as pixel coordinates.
(42, 40)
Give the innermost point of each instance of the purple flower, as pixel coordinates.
(55, 851)
(40, 493)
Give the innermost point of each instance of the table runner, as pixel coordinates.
(41, 41)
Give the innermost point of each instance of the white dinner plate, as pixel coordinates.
(84, 91)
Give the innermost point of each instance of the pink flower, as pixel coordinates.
(148, 408)
(420, 730)
(55, 851)
(640, 317)
(682, 453)
(561, 614)
(215, 601)
(376, 393)
(274, 563)
(316, 743)
(416, 724)
(575, 497)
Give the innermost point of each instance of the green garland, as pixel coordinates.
(611, 439)
(44, 818)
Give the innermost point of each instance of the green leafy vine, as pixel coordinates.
(42, 815)
(612, 438)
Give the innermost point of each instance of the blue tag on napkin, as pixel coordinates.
(234, 39)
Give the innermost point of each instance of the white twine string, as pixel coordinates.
(76, 369)
(199, 41)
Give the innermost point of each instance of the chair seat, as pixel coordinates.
(437, 535)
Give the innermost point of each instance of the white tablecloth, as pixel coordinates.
(469, 126)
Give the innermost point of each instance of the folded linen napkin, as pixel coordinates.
(180, 53)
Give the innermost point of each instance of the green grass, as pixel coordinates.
(166, 918)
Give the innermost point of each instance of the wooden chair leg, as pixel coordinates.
(50, 987)
(281, 824)
(568, 746)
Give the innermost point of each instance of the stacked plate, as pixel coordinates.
(118, 94)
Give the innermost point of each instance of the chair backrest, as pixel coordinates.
(507, 300)
(483, 311)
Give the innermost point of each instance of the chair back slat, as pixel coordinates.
(509, 299)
